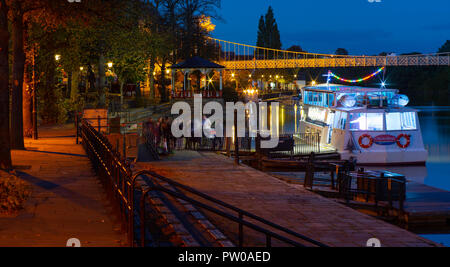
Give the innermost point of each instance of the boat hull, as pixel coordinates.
(388, 158)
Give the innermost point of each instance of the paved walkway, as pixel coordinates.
(290, 206)
(68, 200)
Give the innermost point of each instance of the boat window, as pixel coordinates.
(366, 121)
(393, 122)
(409, 121)
(340, 120)
(317, 114)
(401, 121)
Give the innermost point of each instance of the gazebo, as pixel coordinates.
(191, 65)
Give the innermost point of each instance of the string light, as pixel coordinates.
(358, 80)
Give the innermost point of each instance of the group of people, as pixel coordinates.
(160, 132)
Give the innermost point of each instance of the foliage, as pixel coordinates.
(13, 193)
(341, 51)
(295, 48)
(229, 93)
(445, 47)
(268, 33)
(53, 108)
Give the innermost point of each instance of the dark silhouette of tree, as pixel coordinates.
(341, 51)
(268, 33)
(295, 48)
(5, 150)
(190, 13)
(445, 48)
(261, 32)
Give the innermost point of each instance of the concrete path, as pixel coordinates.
(68, 200)
(288, 205)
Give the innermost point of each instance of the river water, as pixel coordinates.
(435, 124)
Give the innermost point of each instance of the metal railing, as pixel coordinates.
(117, 177)
(114, 172)
(239, 218)
(236, 56)
(304, 144)
(373, 187)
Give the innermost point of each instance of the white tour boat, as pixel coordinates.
(371, 125)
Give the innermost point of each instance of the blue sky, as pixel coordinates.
(361, 27)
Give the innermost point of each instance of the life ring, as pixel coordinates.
(399, 141)
(361, 139)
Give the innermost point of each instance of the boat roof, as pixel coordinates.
(375, 110)
(348, 89)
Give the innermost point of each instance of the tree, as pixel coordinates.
(268, 33)
(261, 33)
(5, 150)
(341, 51)
(24, 14)
(190, 13)
(295, 48)
(17, 10)
(445, 48)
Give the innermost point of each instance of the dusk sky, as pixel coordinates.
(361, 27)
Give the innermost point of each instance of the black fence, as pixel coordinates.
(123, 188)
(114, 172)
(289, 145)
(373, 187)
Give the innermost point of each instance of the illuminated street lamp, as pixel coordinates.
(57, 57)
(110, 64)
(81, 68)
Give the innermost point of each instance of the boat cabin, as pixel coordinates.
(372, 125)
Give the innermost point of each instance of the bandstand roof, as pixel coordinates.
(196, 63)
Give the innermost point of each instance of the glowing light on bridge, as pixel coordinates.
(358, 80)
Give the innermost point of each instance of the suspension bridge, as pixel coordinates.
(236, 56)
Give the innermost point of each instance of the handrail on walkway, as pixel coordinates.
(239, 219)
(121, 184)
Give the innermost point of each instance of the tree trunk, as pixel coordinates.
(152, 78)
(75, 82)
(17, 141)
(162, 90)
(5, 149)
(27, 104)
(101, 81)
(122, 83)
(69, 85)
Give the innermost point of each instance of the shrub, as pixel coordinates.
(13, 193)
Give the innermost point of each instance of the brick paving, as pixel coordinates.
(288, 205)
(68, 200)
